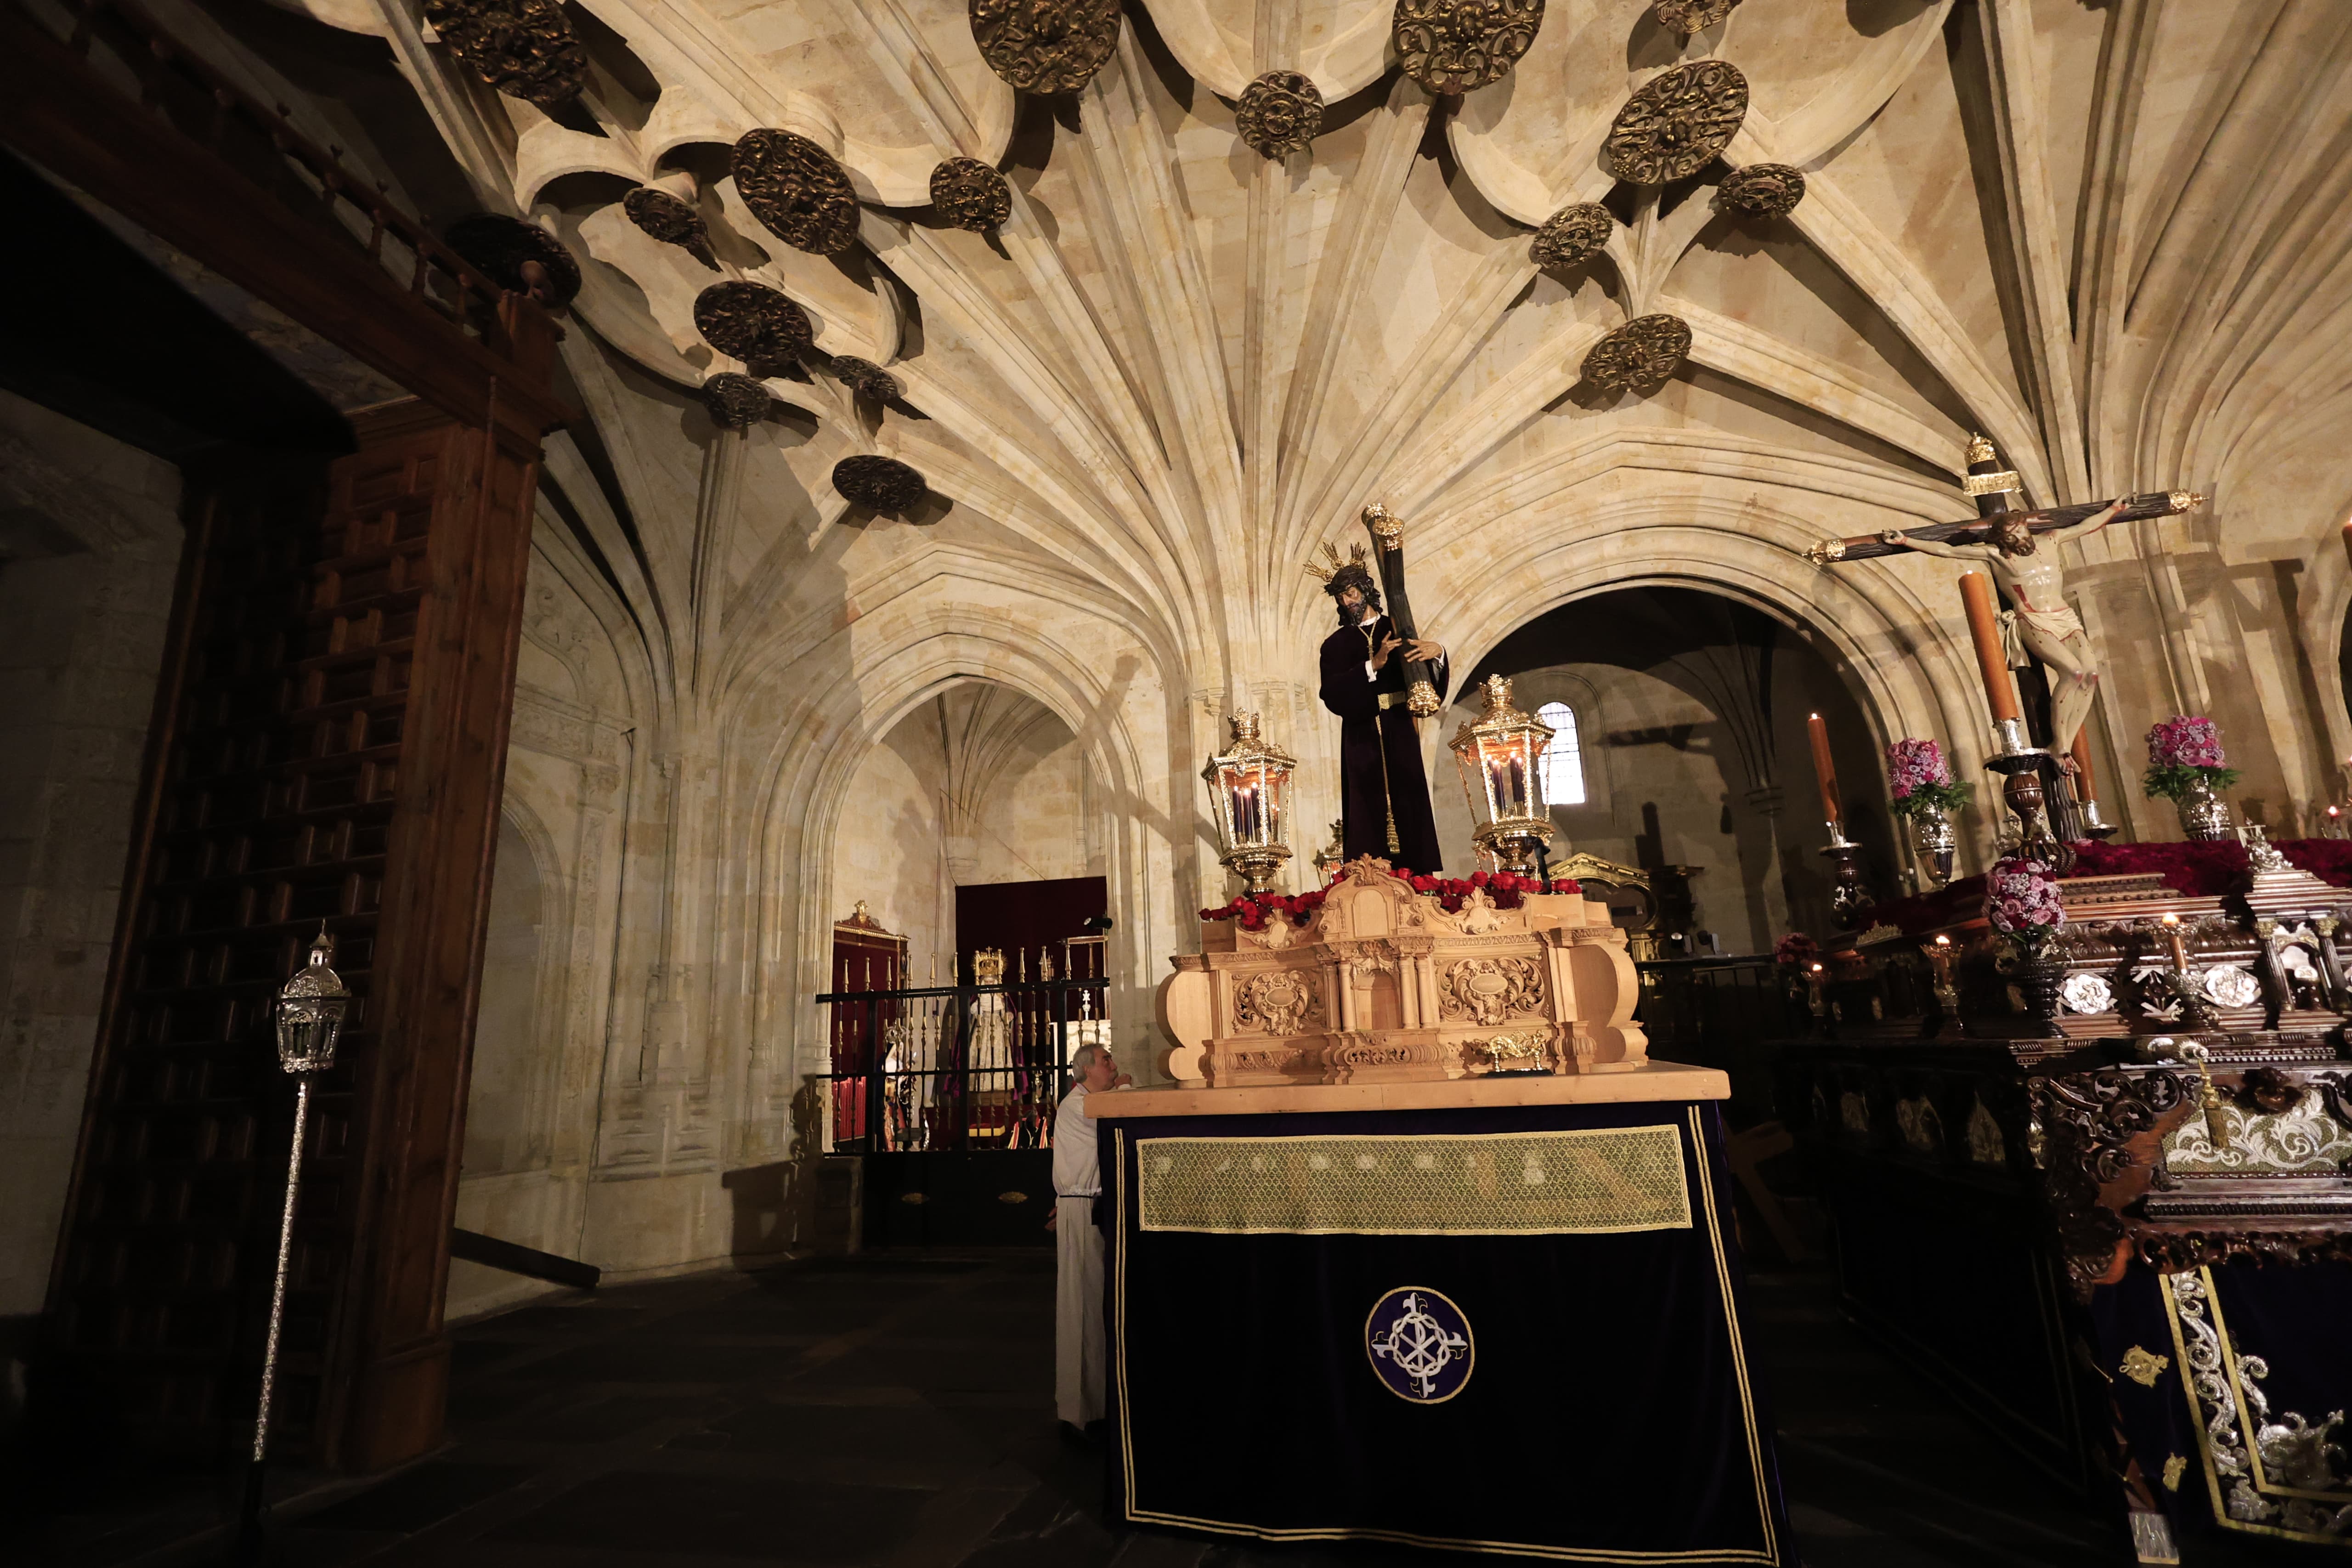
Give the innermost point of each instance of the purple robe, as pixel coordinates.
(1367, 731)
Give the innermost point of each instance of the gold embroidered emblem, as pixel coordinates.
(2144, 1367)
(2172, 1469)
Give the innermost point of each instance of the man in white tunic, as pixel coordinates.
(1078, 1277)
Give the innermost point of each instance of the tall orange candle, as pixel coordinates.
(2085, 788)
(1984, 630)
(1824, 769)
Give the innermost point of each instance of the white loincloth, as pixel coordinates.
(2057, 624)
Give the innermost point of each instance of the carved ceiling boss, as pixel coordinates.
(1455, 45)
(1045, 46)
(797, 191)
(1279, 114)
(1677, 123)
(523, 47)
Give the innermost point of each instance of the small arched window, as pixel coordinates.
(1563, 757)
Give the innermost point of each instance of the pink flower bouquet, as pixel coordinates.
(1920, 779)
(2023, 902)
(2184, 752)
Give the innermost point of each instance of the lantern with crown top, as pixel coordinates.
(1249, 795)
(1500, 756)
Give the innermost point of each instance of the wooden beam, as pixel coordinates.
(57, 110)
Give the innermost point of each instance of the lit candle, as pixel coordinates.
(1984, 630)
(1825, 770)
(2085, 787)
(2179, 947)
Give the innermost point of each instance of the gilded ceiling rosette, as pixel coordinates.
(1642, 353)
(1691, 16)
(1763, 190)
(1457, 46)
(878, 483)
(753, 323)
(735, 401)
(1571, 237)
(970, 194)
(797, 190)
(525, 49)
(671, 220)
(501, 247)
(864, 378)
(1045, 46)
(1677, 123)
(1279, 114)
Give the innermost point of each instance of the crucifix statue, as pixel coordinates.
(2010, 542)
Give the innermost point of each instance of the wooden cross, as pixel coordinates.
(1980, 529)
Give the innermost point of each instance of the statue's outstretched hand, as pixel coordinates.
(1421, 650)
(1894, 536)
(1388, 645)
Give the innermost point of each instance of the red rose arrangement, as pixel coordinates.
(1251, 912)
(1796, 950)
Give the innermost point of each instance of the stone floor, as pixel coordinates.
(895, 1411)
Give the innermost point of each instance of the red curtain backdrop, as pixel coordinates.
(1018, 916)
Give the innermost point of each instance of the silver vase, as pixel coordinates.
(2204, 815)
(1935, 841)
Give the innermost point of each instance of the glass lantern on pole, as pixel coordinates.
(309, 1016)
(1249, 797)
(1500, 756)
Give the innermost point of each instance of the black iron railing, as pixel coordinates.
(956, 1066)
(1714, 1001)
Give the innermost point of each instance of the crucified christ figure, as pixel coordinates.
(2036, 585)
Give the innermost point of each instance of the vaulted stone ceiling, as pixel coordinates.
(2108, 235)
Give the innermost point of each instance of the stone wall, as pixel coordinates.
(90, 542)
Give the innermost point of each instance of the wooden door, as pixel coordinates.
(329, 745)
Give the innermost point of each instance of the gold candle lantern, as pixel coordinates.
(1500, 757)
(1249, 795)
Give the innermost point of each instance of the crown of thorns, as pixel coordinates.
(1341, 575)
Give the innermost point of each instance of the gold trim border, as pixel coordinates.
(2204, 1443)
(1682, 1179)
(1769, 1556)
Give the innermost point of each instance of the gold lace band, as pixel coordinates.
(1497, 1183)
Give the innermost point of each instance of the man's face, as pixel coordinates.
(2016, 539)
(1100, 1072)
(1351, 599)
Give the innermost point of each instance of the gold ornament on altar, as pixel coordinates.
(1677, 124)
(1500, 759)
(1249, 795)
